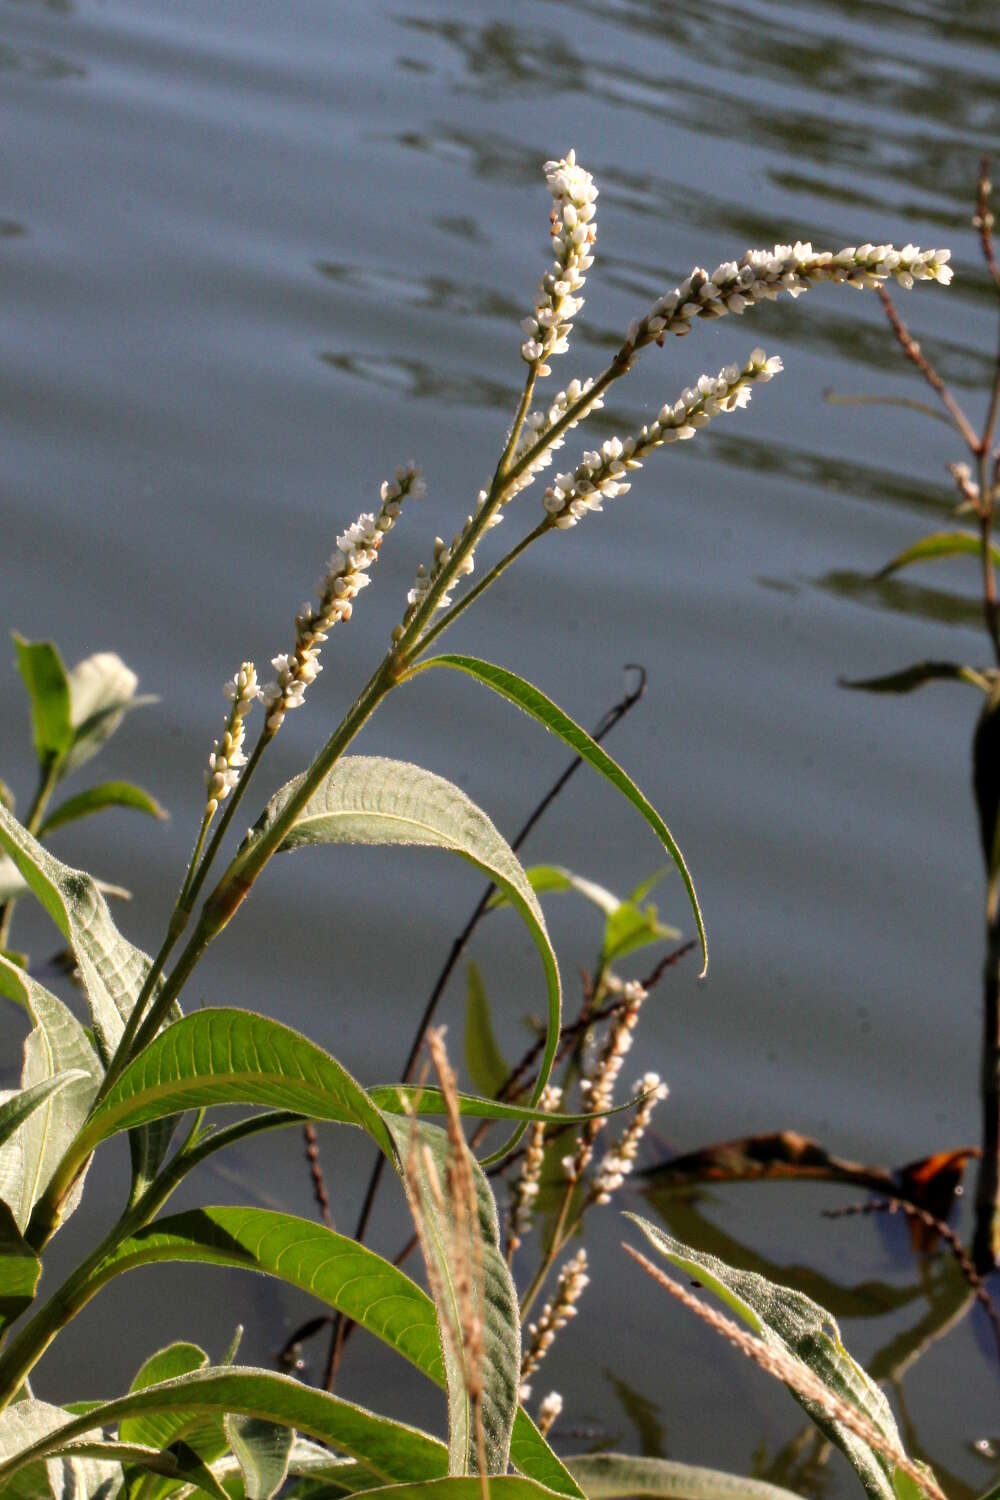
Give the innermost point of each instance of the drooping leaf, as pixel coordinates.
(20, 1269)
(505, 1487)
(460, 1249)
(395, 1451)
(908, 679)
(423, 1099)
(262, 1450)
(613, 1476)
(806, 1335)
(548, 714)
(56, 1048)
(101, 691)
(936, 546)
(372, 800)
(628, 925)
(338, 1271)
(232, 1057)
(44, 675)
(181, 1466)
(107, 794)
(27, 1422)
(483, 1059)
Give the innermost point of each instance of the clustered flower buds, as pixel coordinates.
(597, 1090)
(548, 1410)
(764, 274)
(601, 473)
(574, 232)
(525, 1189)
(346, 576)
(538, 422)
(619, 1161)
(227, 758)
(570, 1285)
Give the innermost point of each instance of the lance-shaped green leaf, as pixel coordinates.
(483, 1059)
(347, 1276)
(613, 1476)
(424, 1099)
(20, 1269)
(548, 714)
(41, 668)
(27, 1422)
(101, 691)
(628, 925)
(395, 1451)
(96, 798)
(936, 546)
(205, 1439)
(471, 1285)
(181, 1466)
(56, 1048)
(232, 1057)
(262, 1450)
(806, 1336)
(372, 800)
(908, 679)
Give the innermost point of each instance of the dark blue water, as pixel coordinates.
(255, 256)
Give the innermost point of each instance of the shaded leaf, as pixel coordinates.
(262, 1450)
(20, 1105)
(447, 1237)
(95, 798)
(372, 800)
(20, 1269)
(612, 1476)
(911, 678)
(44, 675)
(394, 1450)
(938, 545)
(631, 927)
(806, 1335)
(535, 703)
(484, 1061)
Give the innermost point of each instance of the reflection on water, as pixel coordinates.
(257, 255)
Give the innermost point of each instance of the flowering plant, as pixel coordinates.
(144, 1068)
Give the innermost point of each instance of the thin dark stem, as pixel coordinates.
(611, 718)
(915, 354)
(316, 1173)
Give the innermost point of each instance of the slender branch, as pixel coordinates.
(614, 715)
(984, 221)
(484, 583)
(914, 353)
(47, 781)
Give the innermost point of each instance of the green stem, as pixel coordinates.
(484, 583)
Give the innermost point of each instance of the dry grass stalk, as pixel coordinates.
(795, 1375)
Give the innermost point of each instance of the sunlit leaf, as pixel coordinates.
(161, 1430)
(96, 798)
(535, 703)
(338, 1271)
(395, 1451)
(44, 675)
(484, 1061)
(372, 800)
(614, 1476)
(232, 1057)
(938, 545)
